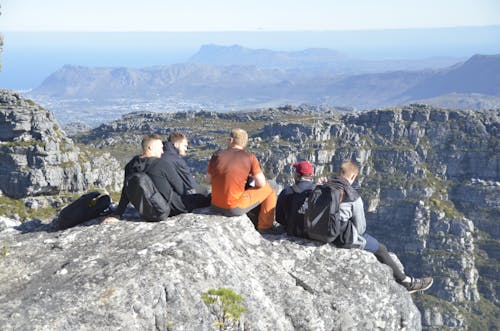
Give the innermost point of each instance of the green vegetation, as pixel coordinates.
(11, 207)
(5, 250)
(445, 206)
(58, 131)
(66, 165)
(115, 196)
(29, 143)
(226, 305)
(31, 102)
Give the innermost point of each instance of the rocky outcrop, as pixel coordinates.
(429, 177)
(150, 276)
(38, 159)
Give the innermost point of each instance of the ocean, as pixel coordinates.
(30, 57)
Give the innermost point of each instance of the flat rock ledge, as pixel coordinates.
(150, 276)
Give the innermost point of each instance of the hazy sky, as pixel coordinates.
(239, 15)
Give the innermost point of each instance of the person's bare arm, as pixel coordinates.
(110, 219)
(322, 180)
(260, 179)
(208, 179)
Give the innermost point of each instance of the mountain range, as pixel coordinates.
(233, 77)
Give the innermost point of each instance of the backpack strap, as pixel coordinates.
(295, 188)
(341, 195)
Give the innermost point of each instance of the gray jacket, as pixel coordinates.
(354, 211)
(351, 209)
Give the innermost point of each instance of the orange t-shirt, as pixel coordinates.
(230, 169)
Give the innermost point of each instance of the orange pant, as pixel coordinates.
(264, 196)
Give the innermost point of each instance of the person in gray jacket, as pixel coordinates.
(353, 233)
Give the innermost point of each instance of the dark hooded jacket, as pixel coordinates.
(163, 176)
(171, 155)
(289, 201)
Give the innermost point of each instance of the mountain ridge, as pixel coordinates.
(233, 86)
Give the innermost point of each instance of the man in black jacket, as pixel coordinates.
(291, 199)
(162, 173)
(195, 196)
(174, 151)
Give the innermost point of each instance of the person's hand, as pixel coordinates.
(110, 219)
(322, 180)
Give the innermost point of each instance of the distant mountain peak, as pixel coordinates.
(240, 55)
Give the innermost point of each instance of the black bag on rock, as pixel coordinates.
(85, 208)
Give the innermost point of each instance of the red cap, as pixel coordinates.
(303, 168)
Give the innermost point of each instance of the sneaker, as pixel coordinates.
(418, 284)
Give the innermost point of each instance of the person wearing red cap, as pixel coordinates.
(291, 199)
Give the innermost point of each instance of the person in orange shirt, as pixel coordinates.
(228, 172)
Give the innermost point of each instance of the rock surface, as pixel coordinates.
(38, 159)
(150, 276)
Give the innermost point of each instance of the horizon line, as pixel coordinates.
(256, 30)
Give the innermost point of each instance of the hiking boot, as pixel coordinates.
(418, 284)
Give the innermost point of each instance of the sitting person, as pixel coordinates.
(292, 197)
(228, 172)
(195, 196)
(353, 234)
(174, 151)
(162, 174)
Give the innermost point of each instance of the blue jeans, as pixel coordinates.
(371, 243)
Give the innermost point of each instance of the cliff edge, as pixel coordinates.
(150, 276)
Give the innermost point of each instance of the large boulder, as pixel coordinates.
(39, 159)
(150, 276)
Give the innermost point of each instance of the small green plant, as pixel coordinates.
(226, 305)
(5, 250)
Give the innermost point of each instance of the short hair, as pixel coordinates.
(147, 139)
(176, 136)
(240, 137)
(349, 168)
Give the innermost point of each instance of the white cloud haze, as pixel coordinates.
(257, 15)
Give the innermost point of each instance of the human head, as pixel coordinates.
(349, 170)
(152, 145)
(238, 137)
(303, 169)
(179, 140)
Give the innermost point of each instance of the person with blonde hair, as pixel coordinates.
(353, 228)
(228, 173)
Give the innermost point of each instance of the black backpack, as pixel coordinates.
(295, 220)
(149, 202)
(321, 211)
(85, 208)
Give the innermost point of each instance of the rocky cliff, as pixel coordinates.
(39, 159)
(150, 276)
(429, 178)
